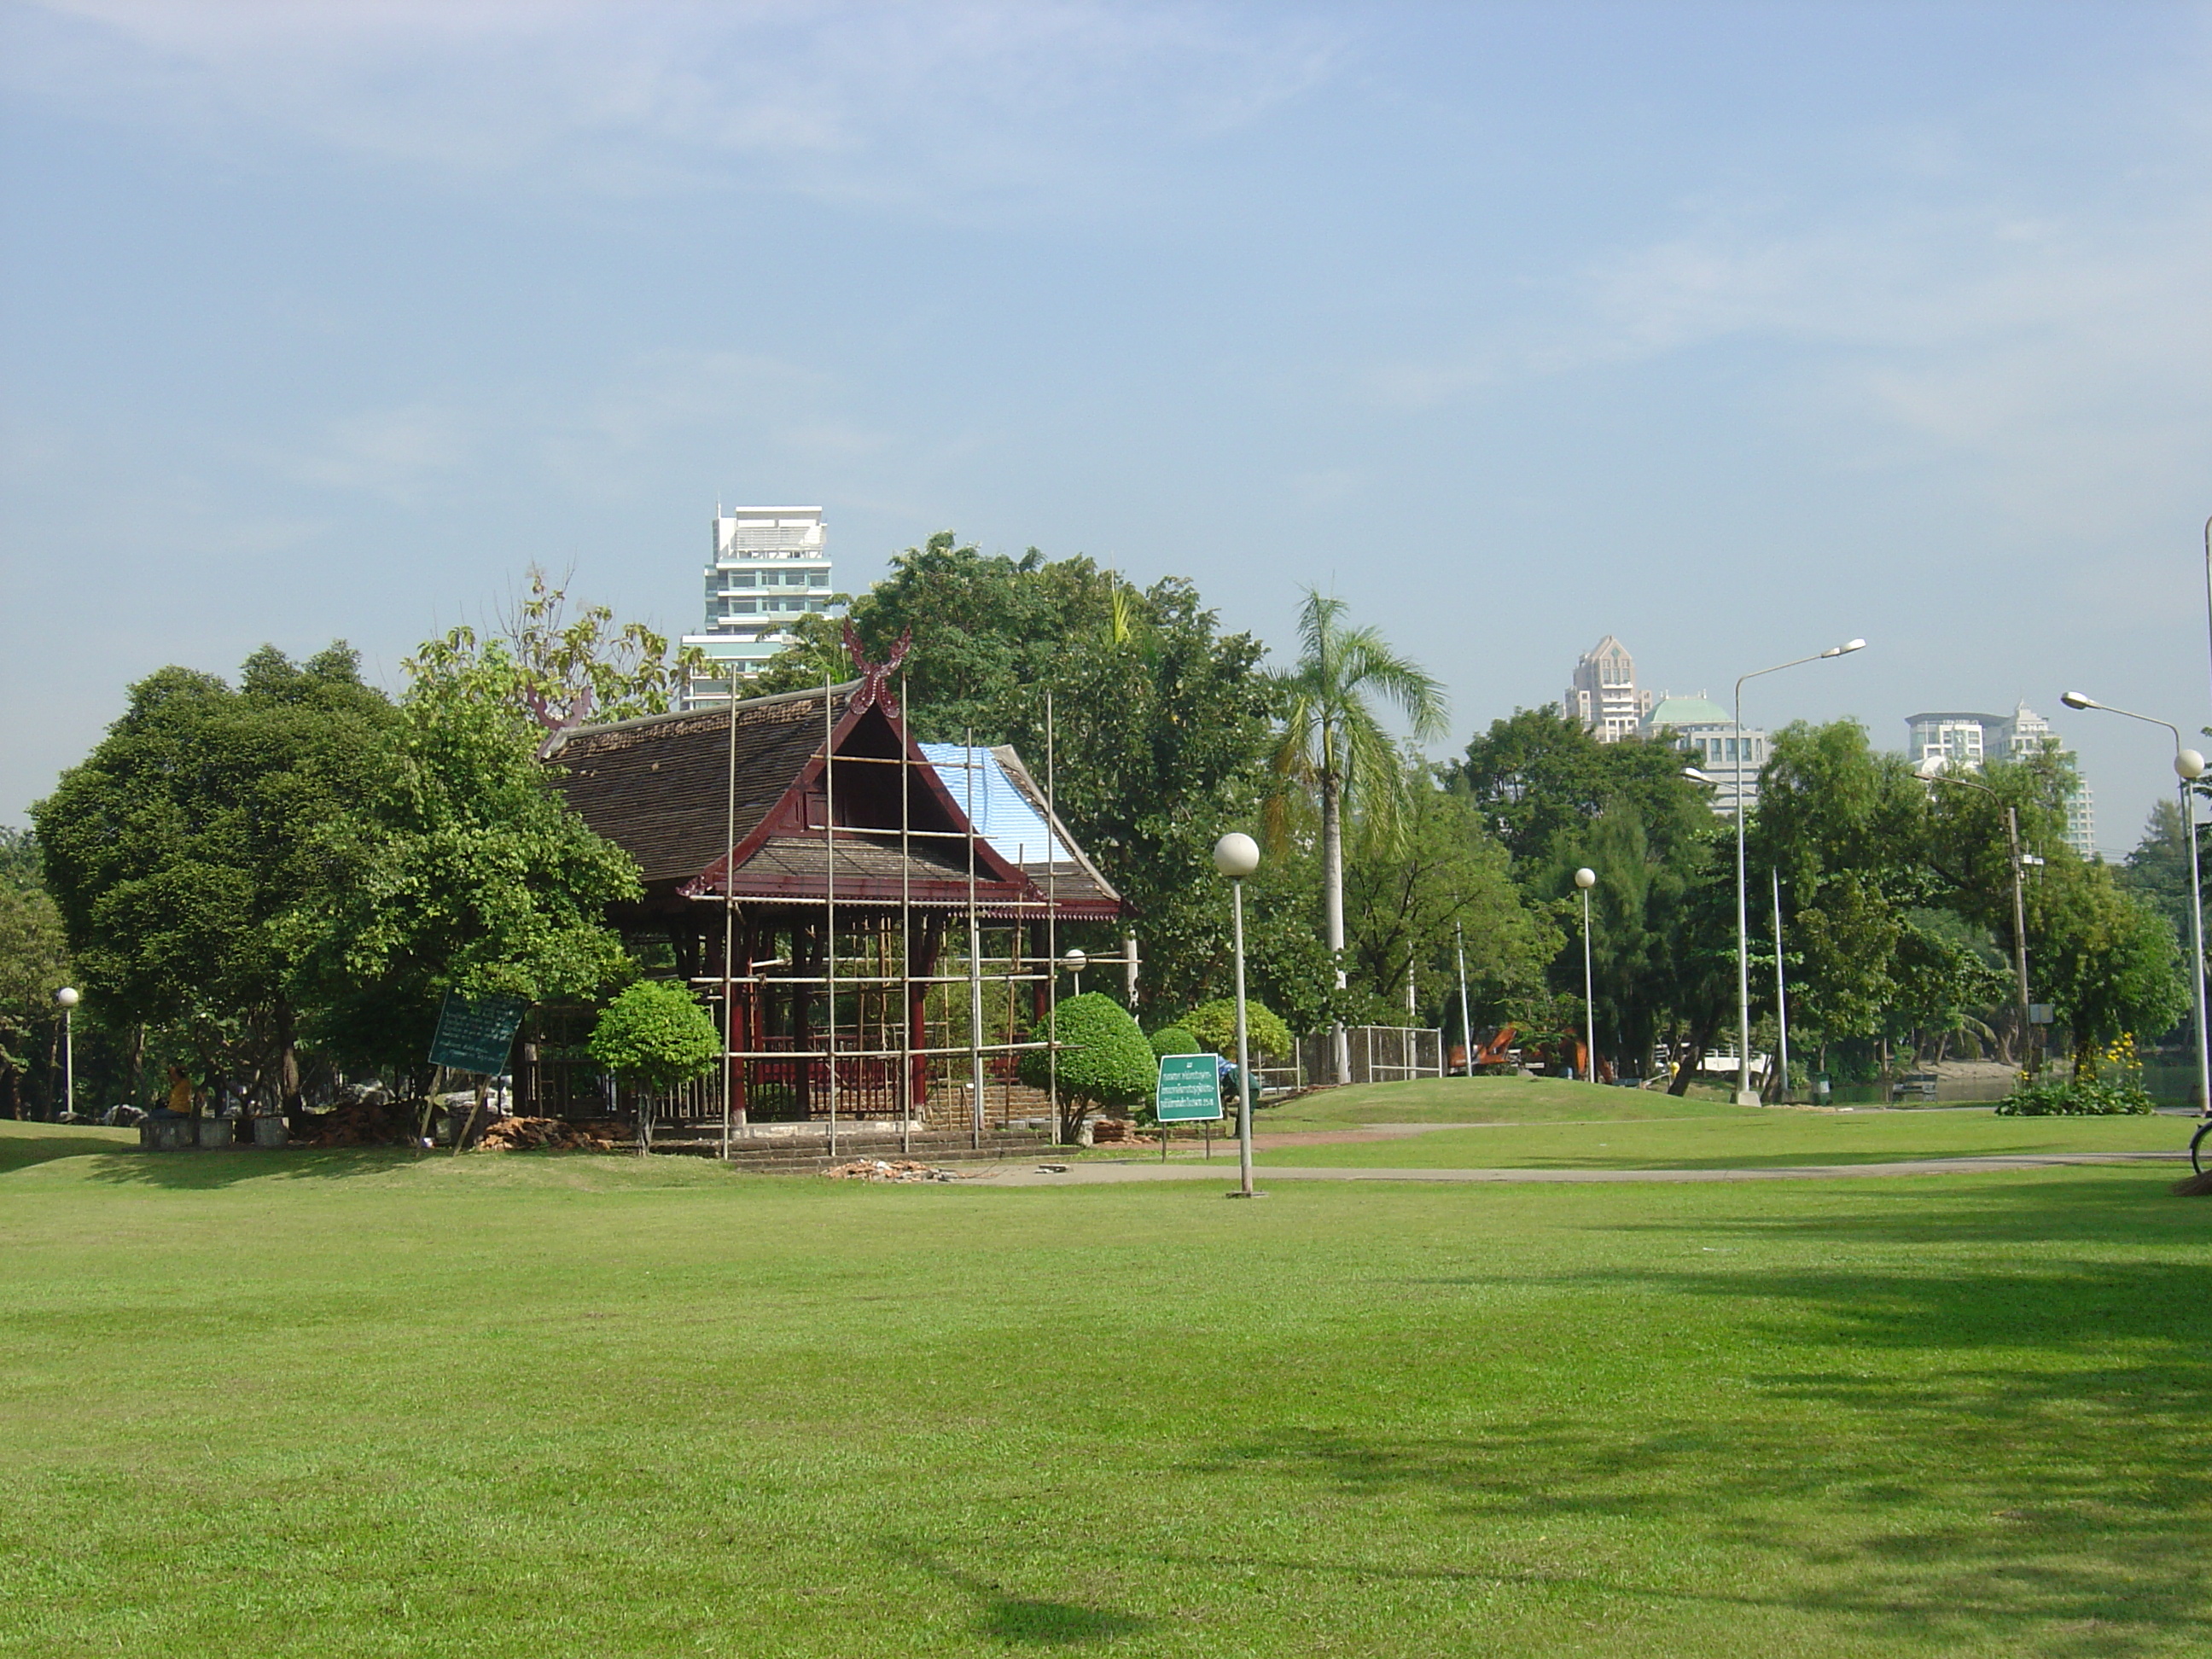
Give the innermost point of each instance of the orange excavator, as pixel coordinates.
(1495, 1053)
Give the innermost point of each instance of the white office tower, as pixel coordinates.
(770, 567)
(1604, 697)
(1965, 740)
(1706, 732)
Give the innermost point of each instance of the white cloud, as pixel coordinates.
(881, 99)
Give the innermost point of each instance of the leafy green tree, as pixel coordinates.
(1333, 745)
(1104, 1061)
(2158, 870)
(33, 965)
(2108, 960)
(1663, 946)
(1540, 779)
(1214, 1024)
(174, 851)
(655, 1033)
(1159, 719)
(1404, 901)
(461, 870)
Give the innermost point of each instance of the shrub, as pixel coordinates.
(1175, 1040)
(1214, 1024)
(1104, 1060)
(656, 1033)
(2081, 1098)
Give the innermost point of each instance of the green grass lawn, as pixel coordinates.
(1476, 1100)
(352, 1404)
(1748, 1138)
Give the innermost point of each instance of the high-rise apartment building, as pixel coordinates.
(1604, 697)
(771, 566)
(1965, 740)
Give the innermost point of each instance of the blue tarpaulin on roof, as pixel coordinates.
(1001, 814)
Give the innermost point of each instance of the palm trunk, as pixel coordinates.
(1332, 864)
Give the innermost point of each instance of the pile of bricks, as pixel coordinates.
(902, 1168)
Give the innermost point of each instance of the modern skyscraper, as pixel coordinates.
(1604, 697)
(771, 566)
(1965, 740)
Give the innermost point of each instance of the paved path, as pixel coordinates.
(1224, 1170)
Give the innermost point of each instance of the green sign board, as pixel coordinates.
(1190, 1090)
(474, 1034)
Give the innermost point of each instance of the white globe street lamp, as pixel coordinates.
(2188, 767)
(68, 999)
(1075, 961)
(1237, 856)
(1586, 879)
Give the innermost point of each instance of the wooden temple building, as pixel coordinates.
(874, 929)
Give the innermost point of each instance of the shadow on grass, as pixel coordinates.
(2005, 1450)
(22, 1149)
(113, 1158)
(1026, 1621)
(198, 1171)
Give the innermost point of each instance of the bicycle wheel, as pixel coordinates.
(2196, 1141)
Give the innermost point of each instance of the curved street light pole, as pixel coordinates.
(2188, 767)
(1743, 1094)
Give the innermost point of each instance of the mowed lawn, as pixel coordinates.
(1547, 1124)
(525, 1405)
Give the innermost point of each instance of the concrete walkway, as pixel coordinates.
(1223, 1171)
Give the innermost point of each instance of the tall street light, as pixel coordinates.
(1781, 1002)
(1237, 856)
(2188, 766)
(68, 999)
(1931, 770)
(1744, 1097)
(1586, 879)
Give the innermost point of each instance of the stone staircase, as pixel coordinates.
(809, 1154)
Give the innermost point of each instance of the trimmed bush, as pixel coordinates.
(1214, 1024)
(1175, 1040)
(656, 1033)
(1104, 1060)
(2087, 1097)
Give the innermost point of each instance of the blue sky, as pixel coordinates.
(1733, 331)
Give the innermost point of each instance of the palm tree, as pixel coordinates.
(1333, 745)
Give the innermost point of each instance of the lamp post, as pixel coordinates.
(1781, 1002)
(68, 999)
(2188, 766)
(1075, 961)
(1465, 1030)
(1237, 856)
(1744, 1097)
(1931, 770)
(1586, 879)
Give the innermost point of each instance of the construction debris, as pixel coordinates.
(902, 1168)
(371, 1122)
(532, 1134)
(1112, 1132)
